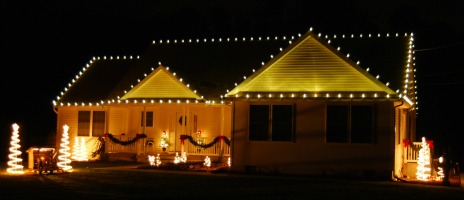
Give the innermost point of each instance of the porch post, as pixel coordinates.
(184, 122)
(222, 129)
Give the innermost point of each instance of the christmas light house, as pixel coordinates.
(15, 164)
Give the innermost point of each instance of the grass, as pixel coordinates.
(104, 180)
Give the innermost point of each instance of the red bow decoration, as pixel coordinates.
(182, 138)
(406, 143)
(430, 143)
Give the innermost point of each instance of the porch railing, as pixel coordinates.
(114, 147)
(412, 152)
(216, 149)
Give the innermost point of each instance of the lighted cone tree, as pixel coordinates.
(423, 162)
(15, 163)
(76, 149)
(79, 150)
(83, 151)
(63, 159)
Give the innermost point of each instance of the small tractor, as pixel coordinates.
(45, 160)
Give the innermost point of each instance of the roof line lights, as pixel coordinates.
(95, 58)
(410, 51)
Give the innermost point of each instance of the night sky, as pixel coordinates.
(45, 43)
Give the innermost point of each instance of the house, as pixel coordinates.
(300, 104)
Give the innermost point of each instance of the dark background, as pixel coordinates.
(45, 43)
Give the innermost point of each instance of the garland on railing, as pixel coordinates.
(204, 146)
(407, 143)
(124, 143)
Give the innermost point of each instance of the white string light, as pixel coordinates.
(14, 164)
(63, 159)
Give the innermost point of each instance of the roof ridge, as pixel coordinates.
(226, 39)
(104, 57)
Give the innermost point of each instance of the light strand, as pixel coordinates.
(14, 165)
(63, 159)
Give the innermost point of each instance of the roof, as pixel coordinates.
(161, 84)
(214, 69)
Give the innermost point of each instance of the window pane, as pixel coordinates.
(142, 119)
(149, 122)
(83, 123)
(361, 124)
(259, 123)
(282, 122)
(98, 123)
(149, 119)
(337, 124)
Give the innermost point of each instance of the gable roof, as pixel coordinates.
(224, 68)
(311, 65)
(160, 84)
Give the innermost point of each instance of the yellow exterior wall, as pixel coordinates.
(309, 154)
(117, 117)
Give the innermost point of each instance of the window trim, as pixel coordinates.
(144, 119)
(270, 121)
(90, 122)
(349, 123)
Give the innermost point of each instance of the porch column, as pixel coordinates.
(222, 128)
(184, 122)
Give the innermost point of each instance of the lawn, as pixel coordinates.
(123, 180)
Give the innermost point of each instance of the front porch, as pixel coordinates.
(409, 170)
(127, 148)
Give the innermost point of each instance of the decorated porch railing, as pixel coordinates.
(206, 145)
(411, 152)
(219, 145)
(121, 143)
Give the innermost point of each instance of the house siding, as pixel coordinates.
(117, 121)
(67, 116)
(309, 153)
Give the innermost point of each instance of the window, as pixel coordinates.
(91, 123)
(83, 123)
(337, 124)
(362, 124)
(271, 122)
(148, 117)
(349, 124)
